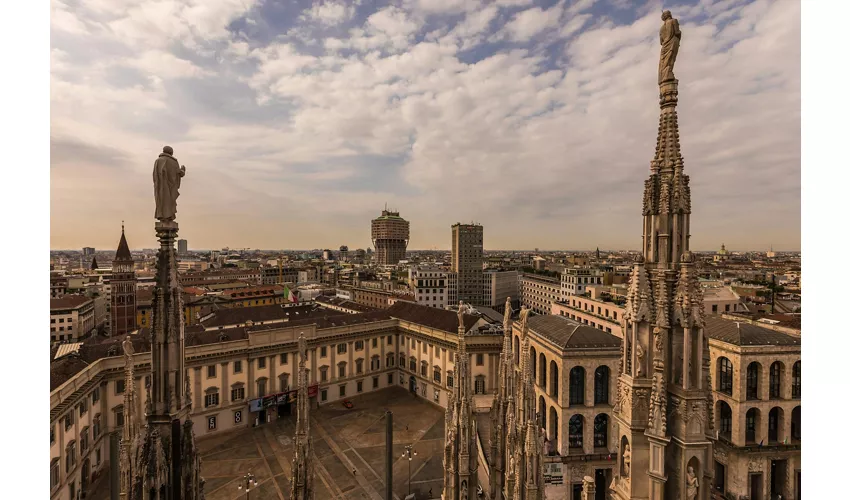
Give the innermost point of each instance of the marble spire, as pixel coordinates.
(302, 472)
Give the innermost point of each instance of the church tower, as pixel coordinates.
(302, 473)
(460, 458)
(664, 403)
(168, 461)
(123, 295)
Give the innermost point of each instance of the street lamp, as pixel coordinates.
(409, 453)
(247, 481)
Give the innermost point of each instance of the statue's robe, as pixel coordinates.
(670, 36)
(166, 182)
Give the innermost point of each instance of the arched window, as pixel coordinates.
(600, 385)
(401, 360)
(577, 386)
(534, 361)
(437, 375)
(600, 431)
(577, 432)
(724, 375)
(450, 379)
(542, 378)
(516, 350)
(553, 428)
(796, 381)
(553, 379)
(390, 360)
(725, 413)
(753, 372)
(775, 425)
(776, 370)
(751, 425)
(795, 423)
(541, 411)
(424, 370)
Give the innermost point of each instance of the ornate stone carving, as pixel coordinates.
(691, 484)
(755, 466)
(670, 36)
(166, 182)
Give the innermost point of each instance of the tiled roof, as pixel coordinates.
(569, 333)
(745, 334)
(341, 302)
(439, 319)
(68, 302)
(258, 314)
(254, 291)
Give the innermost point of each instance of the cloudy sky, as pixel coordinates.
(298, 121)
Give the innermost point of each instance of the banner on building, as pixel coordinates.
(280, 398)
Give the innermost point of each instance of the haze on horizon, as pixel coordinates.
(298, 121)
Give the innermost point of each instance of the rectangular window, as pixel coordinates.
(342, 391)
(479, 359)
(54, 473)
(341, 370)
(52, 434)
(211, 400)
(96, 427)
(323, 374)
(375, 342)
(324, 395)
(324, 351)
(237, 393)
(374, 382)
(237, 366)
(119, 418)
(69, 419)
(284, 358)
(261, 362)
(211, 371)
(83, 407)
(359, 386)
(119, 386)
(389, 340)
(389, 378)
(358, 345)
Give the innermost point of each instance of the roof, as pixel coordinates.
(65, 349)
(568, 333)
(93, 263)
(745, 334)
(491, 314)
(123, 252)
(341, 302)
(439, 319)
(254, 291)
(68, 302)
(260, 314)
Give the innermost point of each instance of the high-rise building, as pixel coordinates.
(665, 409)
(390, 235)
(123, 290)
(182, 247)
(468, 262)
(88, 251)
(343, 253)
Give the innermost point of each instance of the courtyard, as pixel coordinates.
(349, 447)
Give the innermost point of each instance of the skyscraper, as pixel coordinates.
(182, 247)
(88, 251)
(390, 235)
(123, 286)
(468, 262)
(664, 408)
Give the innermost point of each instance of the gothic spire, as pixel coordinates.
(301, 480)
(123, 253)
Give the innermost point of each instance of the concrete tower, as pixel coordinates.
(664, 403)
(123, 285)
(460, 457)
(468, 262)
(301, 477)
(390, 235)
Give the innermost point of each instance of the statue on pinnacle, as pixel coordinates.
(167, 173)
(670, 36)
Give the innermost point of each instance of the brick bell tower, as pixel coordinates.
(123, 282)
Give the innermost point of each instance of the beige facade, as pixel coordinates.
(721, 299)
(592, 311)
(756, 379)
(71, 317)
(498, 286)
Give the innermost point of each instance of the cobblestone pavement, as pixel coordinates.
(349, 446)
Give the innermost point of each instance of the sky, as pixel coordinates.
(298, 121)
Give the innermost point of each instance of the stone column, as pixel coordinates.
(273, 374)
(252, 383)
(587, 434)
(199, 403)
(225, 386)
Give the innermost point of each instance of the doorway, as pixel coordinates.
(84, 477)
(601, 479)
(284, 410)
(577, 491)
(261, 418)
(778, 472)
(755, 485)
(413, 385)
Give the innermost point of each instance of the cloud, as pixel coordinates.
(538, 123)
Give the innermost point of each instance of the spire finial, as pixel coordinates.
(122, 227)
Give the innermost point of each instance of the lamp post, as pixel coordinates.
(409, 453)
(247, 481)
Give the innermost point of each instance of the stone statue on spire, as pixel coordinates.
(167, 173)
(670, 36)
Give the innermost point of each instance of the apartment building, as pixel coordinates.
(597, 310)
(71, 317)
(539, 292)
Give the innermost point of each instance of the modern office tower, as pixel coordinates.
(182, 247)
(468, 262)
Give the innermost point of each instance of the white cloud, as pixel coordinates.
(329, 13)
(528, 23)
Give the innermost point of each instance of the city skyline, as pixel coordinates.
(296, 134)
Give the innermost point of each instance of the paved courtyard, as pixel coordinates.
(349, 445)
